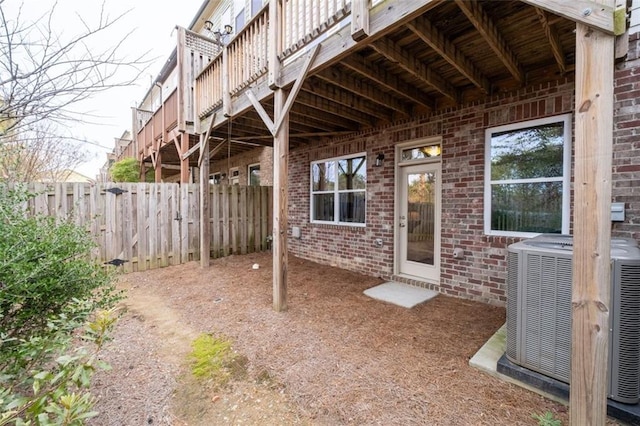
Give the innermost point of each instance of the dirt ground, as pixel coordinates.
(335, 357)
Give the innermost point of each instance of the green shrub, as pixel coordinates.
(125, 170)
(49, 288)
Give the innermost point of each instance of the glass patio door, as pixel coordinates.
(418, 221)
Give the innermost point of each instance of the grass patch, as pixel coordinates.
(213, 359)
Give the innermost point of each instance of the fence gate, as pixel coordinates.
(137, 226)
(140, 226)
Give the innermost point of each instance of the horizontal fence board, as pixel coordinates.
(155, 225)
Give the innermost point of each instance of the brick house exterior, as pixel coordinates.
(481, 273)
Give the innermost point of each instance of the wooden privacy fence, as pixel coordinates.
(155, 225)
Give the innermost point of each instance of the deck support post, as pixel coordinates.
(359, 19)
(205, 224)
(280, 202)
(592, 225)
(158, 167)
(184, 162)
(205, 207)
(143, 170)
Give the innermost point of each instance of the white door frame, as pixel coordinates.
(431, 273)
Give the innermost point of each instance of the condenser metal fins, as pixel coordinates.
(539, 279)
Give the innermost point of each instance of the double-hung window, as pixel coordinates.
(527, 177)
(338, 190)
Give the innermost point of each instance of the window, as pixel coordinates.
(234, 176)
(256, 5)
(215, 178)
(238, 10)
(527, 173)
(338, 190)
(254, 174)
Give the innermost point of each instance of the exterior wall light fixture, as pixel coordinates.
(379, 160)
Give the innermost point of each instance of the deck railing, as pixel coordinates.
(248, 52)
(302, 22)
(209, 88)
(171, 111)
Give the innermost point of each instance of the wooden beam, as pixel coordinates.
(591, 13)
(435, 39)
(184, 162)
(489, 31)
(158, 167)
(204, 142)
(226, 91)
(554, 40)
(190, 152)
(205, 208)
(388, 81)
(359, 19)
(296, 87)
(301, 135)
(324, 90)
(324, 106)
(280, 204)
(218, 148)
(261, 111)
(320, 119)
(592, 226)
(182, 81)
(410, 64)
(275, 44)
(337, 44)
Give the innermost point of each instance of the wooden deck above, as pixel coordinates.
(420, 56)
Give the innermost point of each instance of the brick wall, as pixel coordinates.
(626, 133)
(481, 274)
(262, 156)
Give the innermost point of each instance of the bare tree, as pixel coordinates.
(44, 73)
(39, 154)
(44, 76)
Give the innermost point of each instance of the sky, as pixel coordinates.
(152, 22)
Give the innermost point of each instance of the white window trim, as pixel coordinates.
(336, 213)
(565, 179)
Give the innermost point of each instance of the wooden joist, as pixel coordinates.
(429, 34)
(590, 13)
(324, 90)
(410, 64)
(552, 37)
(387, 81)
(489, 31)
(591, 289)
(323, 106)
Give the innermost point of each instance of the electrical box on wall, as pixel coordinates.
(617, 212)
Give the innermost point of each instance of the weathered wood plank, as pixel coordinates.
(176, 226)
(280, 200)
(142, 226)
(235, 223)
(205, 197)
(226, 208)
(360, 19)
(153, 226)
(590, 13)
(242, 219)
(186, 192)
(127, 228)
(592, 225)
(217, 229)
